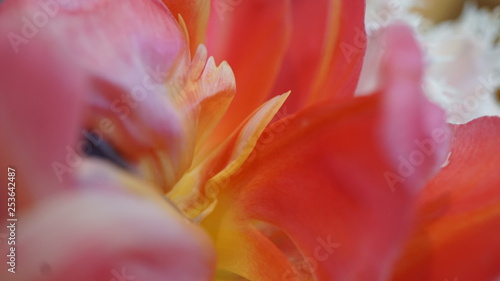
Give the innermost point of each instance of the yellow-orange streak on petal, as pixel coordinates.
(338, 67)
(201, 91)
(208, 170)
(250, 133)
(195, 14)
(206, 94)
(323, 61)
(253, 37)
(331, 37)
(232, 242)
(183, 26)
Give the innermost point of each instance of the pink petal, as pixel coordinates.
(414, 132)
(108, 236)
(40, 111)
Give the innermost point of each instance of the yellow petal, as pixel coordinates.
(194, 193)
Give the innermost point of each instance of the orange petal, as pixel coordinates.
(319, 184)
(306, 183)
(195, 13)
(325, 54)
(456, 236)
(245, 253)
(203, 92)
(252, 36)
(108, 236)
(209, 168)
(209, 91)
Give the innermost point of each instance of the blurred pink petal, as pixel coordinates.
(81, 236)
(416, 134)
(40, 112)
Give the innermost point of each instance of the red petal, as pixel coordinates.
(307, 182)
(320, 181)
(456, 235)
(325, 55)
(252, 37)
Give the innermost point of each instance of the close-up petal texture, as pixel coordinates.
(249, 140)
(324, 204)
(459, 212)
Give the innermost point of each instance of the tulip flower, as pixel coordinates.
(198, 140)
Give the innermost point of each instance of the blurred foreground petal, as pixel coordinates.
(101, 236)
(37, 130)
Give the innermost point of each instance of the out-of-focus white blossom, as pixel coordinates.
(463, 56)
